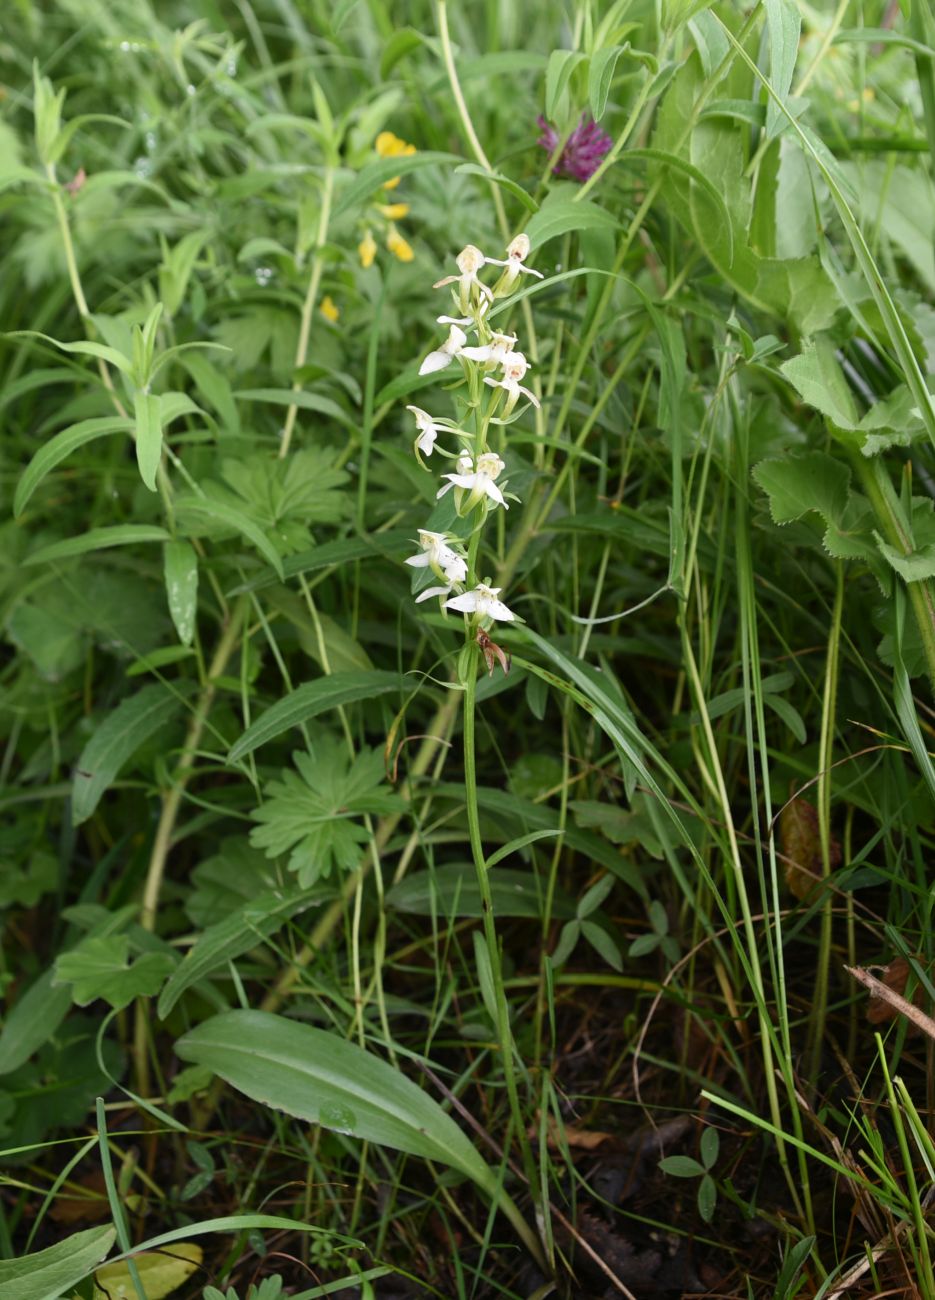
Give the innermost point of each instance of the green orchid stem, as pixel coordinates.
(876, 483)
(504, 1032)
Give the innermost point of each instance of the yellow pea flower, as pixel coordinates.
(398, 246)
(393, 211)
(367, 250)
(389, 145)
(328, 309)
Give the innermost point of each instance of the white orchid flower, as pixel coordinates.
(442, 356)
(516, 254)
(514, 366)
(470, 289)
(482, 603)
(437, 555)
(492, 353)
(477, 480)
(428, 429)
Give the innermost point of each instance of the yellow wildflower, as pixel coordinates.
(398, 246)
(389, 145)
(393, 211)
(328, 309)
(367, 250)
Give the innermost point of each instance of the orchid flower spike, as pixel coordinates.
(492, 353)
(514, 366)
(470, 289)
(482, 603)
(477, 480)
(437, 555)
(442, 356)
(516, 254)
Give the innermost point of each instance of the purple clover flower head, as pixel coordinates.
(585, 148)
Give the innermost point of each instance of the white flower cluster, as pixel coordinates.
(492, 361)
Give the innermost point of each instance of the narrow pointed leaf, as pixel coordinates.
(148, 436)
(310, 700)
(97, 539)
(60, 448)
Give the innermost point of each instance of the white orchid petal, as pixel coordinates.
(497, 609)
(419, 561)
(466, 603)
(431, 591)
(435, 361)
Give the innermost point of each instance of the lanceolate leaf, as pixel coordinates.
(148, 436)
(228, 516)
(115, 742)
(60, 448)
(98, 539)
(322, 1079)
(181, 575)
(310, 700)
(376, 174)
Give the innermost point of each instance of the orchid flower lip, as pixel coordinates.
(482, 602)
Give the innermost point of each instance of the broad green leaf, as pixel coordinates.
(311, 699)
(181, 577)
(49, 1272)
(35, 1016)
(452, 890)
(796, 484)
(161, 1272)
(558, 217)
(97, 539)
(375, 174)
(561, 65)
(321, 1078)
(783, 22)
(229, 516)
(602, 944)
(693, 173)
(233, 936)
(474, 169)
(99, 968)
(148, 407)
(60, 448)
(115, 742)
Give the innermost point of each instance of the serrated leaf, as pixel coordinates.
(311, 813)
(115, 742)
(796, 484)
(49, 1272)
(819, 380)
(914, 567)
(322, 1079)
(59, 448)
(309, 701)
(181, 578)
(99, 968)
(97, 539)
